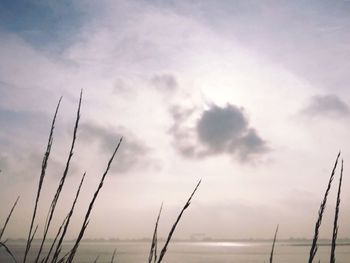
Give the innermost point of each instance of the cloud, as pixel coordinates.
(165, 82)
(218, 130)
(132, 154)
(19, 164)
(326, 106)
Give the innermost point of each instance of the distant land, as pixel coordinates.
(340, 241)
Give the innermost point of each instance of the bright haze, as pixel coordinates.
(252, 97)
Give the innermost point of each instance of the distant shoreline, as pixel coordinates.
(291, 241)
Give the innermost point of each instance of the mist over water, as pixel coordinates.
(195, 252)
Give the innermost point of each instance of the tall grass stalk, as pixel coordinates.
(8, 218)
(273, 245)
(87, 216)
(164, 249)
(46, 258)
(2, 244)
(335, 225)
(59, 244)
(153, 250)
(112, 260)
(61, 184)
(314, 246)
(41, 180)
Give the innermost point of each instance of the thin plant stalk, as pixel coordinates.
(112, 260)
(8, 218)
(164, 249)
(59, 243)
(55, 239)
(96, 259)
(156, 248)
(153, 250)
(63, 178)
(335, 225)
(34, 232)
(64, 257)
(87, 216)
(314, 245)
(41, 180)
(273, 245)
(2, 244)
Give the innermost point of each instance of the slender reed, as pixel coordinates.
(335, 225)
(2, 244)
(8, 218)
(41, 180)
(63, 259)
(86, 219)
(112, 260)
(153, 250)
(59, 244)
(314, 246)
(273, 245)
(164, 249)
(46, 258)
(63, 178)
(96, 259)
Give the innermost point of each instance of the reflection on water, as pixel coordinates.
(194, 252)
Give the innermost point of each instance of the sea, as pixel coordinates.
(191, 252)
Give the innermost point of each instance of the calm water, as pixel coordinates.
(198, 252)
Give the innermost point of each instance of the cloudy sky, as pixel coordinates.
(251, 96)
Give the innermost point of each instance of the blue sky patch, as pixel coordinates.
(40, 22)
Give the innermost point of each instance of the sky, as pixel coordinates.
(252, 97)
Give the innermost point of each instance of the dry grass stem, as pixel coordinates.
(164, 249)
(86, 219)
(153, 250)
(46, 258)
(335, 225)
(41, 180)
(112, 260)
(273, 245)
(314, 246)
(61, 184)
(2, 244)
(59, 244)
(8, 218)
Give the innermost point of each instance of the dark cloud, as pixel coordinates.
(218, 130)
(220, 127)
(165, 82)
(250, 143)
(131, 155)
(326, 105)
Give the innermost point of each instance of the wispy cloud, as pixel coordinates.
(326, 106)
(165, 82)
(133, 155)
